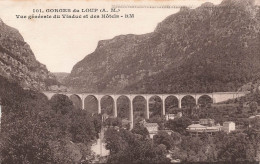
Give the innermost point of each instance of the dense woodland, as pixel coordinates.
(241, 146)
(37, 130)
(136, 147)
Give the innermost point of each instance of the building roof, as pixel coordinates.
(214, 127)
(228, 122)
(206, 119)
(150, 124)
(258, 115)
(201, 128)
(196, 126)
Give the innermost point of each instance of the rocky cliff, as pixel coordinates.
(60, 76)
(210, 48)
(18, 63)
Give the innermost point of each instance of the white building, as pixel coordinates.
(169, 117)
(173, 116)
(229, 126)
(197, 129)
(152, 128)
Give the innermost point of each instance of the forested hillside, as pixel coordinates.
(37, 130)
(18, 63)
(210, 48)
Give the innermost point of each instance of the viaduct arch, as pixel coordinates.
(216, 97)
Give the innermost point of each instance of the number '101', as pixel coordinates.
(37, 10)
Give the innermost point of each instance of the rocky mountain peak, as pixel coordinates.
(238, 2)
(184, 9)
(12, 33)
(207, 4)
(248, 6)
(18, 63)
(210, 48)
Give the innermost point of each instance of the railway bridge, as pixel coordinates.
(216, 97)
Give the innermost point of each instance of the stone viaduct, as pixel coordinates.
(215, 96)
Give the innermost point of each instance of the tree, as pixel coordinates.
(35, 130)
(234, 148)
(163, 138)
(141, 130)
(240, 107)
(113, 122)
(61, 104)
(97, 121)
(25, 139)
(253, 106)
(255, 123)
(193, 149)
(82, 129)
(155, 107)
(128, 147)
(114, 142)
(176, 137)
(179, 125)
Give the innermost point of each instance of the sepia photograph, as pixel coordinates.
(129, 81)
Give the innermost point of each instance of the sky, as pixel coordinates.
(61, 43)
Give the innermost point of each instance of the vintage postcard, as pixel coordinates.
(129, 81)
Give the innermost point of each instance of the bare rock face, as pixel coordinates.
(18, 63)
(211, 48)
